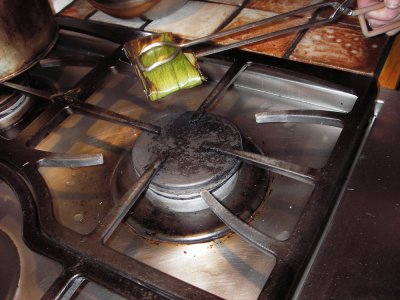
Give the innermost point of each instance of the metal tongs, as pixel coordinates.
(339, 9)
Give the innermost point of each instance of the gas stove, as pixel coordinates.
(220, 191)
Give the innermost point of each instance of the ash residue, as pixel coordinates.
(183, 140)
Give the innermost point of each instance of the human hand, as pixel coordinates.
(383, 16)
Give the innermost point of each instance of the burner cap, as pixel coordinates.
(188, 169)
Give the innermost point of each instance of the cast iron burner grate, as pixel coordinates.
(87, 257)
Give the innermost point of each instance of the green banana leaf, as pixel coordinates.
(182, 72)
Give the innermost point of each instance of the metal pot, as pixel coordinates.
(28, 31)
(149, 9)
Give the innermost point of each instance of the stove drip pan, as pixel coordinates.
(189, 169)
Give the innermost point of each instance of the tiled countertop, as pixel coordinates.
(340, 45)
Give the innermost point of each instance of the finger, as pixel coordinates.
(393, 32)
(378, 23)
(364, 3)
(384, 14)
(393, 4)
(374, 23)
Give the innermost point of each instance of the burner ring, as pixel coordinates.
(189, 169)
(13, 105)
(14, 110)
(152, 221)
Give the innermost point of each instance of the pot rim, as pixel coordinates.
(29, 64)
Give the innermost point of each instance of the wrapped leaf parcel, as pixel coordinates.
(162, 66)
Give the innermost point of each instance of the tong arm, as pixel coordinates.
(252, 25)
(339, 9)
(336, 6)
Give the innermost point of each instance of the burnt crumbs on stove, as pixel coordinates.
(182, 140)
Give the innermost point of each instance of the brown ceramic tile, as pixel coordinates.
(281, 6)
(195, 19)
(341, 47)
(80, 9)
(276, 46)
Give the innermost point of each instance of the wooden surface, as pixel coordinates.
(390, 74)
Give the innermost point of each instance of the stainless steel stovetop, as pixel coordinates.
(66, 170)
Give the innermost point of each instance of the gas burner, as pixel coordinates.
(13, 106)
(189, 169)
(290, 141)
(172, 210)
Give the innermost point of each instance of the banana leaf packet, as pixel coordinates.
(181, 70)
